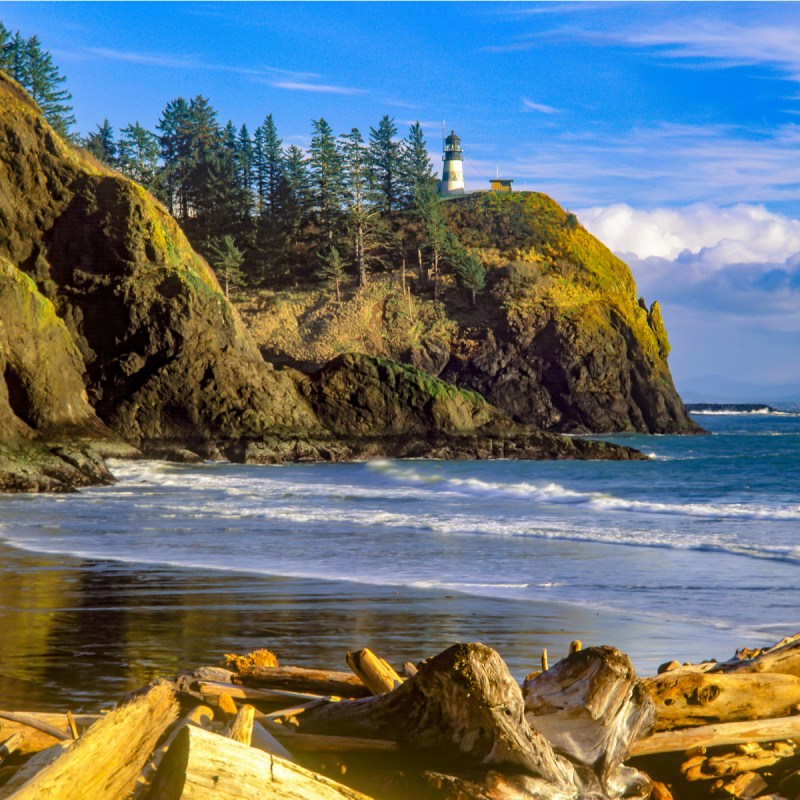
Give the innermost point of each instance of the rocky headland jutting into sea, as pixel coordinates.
(117, 340)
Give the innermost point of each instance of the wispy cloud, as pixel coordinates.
(529, 105)
(727, 44)
(299, 86)
(187, 61)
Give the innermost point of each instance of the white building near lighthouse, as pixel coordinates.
(452, 182)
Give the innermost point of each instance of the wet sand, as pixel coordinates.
(79, 634)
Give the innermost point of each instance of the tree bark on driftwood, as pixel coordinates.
(462, 705)
(684, 698)
(205, 766)
(592, 708)
(105, 762)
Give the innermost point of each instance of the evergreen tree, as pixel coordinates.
(327, 179)
(417, 169)
(175, 146)
(385, 158)
(244, 174)
(227, 259)
(428, 209)
(273, 166)
(332, 271)
(354, 157)
(296, 195)
(259, 169)
(16, 56)
(42, 80)
(5, 47)
(471, 272)
(137, 154)
(101, 144)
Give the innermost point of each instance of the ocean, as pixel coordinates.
(687, 555)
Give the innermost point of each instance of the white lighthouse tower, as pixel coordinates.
(452, 182)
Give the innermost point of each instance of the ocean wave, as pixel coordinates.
(555, 494)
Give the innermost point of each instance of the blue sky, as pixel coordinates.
(672, 129)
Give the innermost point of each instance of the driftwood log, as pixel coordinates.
(592, 708)
(685, 698)
(205, 766)
(299, 679)
(783, 658)
(105, 762)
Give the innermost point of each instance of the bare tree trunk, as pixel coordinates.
(360, 259)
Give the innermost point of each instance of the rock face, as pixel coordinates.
(558, 338)
(114, 331)
(563, 344)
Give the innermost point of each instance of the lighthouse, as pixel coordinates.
(452, 182)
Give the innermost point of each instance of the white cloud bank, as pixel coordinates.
(729, 277)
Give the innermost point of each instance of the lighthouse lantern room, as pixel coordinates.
(452, 182)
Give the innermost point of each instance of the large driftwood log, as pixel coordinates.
(592, 708)
(462, 704)
(684, 697)
(205, 766)
(763, 730)
(299, 679)
(105, 762)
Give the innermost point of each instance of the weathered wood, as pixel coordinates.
(722, 766)
(241, 728)
(300, 679)
(226, 704)
(202, 716)
(10, 745)
(105, 762)
(39, 724)
(35, 726)
(374, 672)
(545, 662)
(293, 711)
(764, 730)
(322, 743)
(73, 728)
(262, 739)
(684, 697)
(32, 766)
(464, 703)
(592, 708)
(783, 658)
(210, 689)
(205, 766)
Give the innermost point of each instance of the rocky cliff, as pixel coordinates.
(115, 333)
(558, 339)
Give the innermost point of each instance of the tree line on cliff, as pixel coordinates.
(264, 213)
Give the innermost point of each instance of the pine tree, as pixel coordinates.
(417, 169)
(354, 156)
(327, 179)
(137, 154)
(16, 57)
(332, 271)
(227, 260)
(41, 78)
(427, 207)
(175, 145)
(472, 273)
(385, 159)
(5, 47)
(101, 144)
(273, 168)
(244, 174)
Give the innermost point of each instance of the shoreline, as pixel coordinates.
(79, 632)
